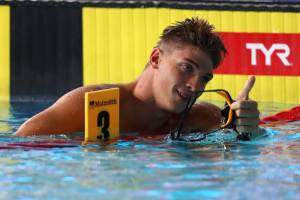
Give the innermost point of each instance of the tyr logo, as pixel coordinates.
(284, 52)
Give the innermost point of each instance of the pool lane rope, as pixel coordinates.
(290, 115)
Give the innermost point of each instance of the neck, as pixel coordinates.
(143, 91)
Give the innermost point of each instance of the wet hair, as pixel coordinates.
(196, 32)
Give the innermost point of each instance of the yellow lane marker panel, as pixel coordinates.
(4, 53)
(102, 115)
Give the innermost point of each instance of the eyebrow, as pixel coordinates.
(210, 75)
(191, 61)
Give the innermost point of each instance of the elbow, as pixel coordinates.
(25, 130)
(22, 133)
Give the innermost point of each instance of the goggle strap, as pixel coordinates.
(229, 117)
(226, 112)
(176, 134)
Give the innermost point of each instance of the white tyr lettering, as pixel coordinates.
(268, 53)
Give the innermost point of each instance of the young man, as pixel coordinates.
(182, 62)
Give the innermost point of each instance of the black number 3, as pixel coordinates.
(103, 121)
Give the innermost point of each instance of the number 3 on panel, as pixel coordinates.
(103, 123)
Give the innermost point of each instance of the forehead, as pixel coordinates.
(181, 51)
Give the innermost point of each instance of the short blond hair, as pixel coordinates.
(196, 32)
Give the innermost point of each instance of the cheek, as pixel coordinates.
(164, 85)
(201, 87)
(166, 77)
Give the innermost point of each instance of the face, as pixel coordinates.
(177, 73)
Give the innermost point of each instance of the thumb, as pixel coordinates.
(244, 94)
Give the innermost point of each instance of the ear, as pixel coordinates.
(154, 57)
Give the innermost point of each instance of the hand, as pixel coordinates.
(247, 114)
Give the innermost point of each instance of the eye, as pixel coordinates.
(187, 68)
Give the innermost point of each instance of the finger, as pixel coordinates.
(247, 113)
(247, 121)
(245, 104)
(244, 94)
(247, 129)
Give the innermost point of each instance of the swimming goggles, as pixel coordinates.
(227, 113)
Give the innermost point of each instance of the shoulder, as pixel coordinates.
(205, 107)
(96, 87)
(206, 112)
(78, 93)
(203, 116)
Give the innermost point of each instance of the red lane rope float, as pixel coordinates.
(283, 117)
(38, 144)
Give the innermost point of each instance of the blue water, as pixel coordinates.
(150, 168)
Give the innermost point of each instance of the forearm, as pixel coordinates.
(30, 128)
(49, 122)
(37, 125)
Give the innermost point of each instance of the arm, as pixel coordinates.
(247, 113)
(247, 116)
(64, 116)
(206, 117)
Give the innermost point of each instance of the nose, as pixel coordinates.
(195, 84)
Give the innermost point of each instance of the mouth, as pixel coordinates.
(183, 95)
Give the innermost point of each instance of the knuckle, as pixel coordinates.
(256, 104)
(238, 104)
(248, 104)
(240, 129)
(244, 129)
(239, 113)
(240, 122)
(256, 122)
(257, 113)
(247, 122)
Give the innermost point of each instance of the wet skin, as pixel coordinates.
(152, 104)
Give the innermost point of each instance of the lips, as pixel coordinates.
(185, 95)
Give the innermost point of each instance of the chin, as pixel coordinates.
(172, 109)
(177, 109)
(174, 106)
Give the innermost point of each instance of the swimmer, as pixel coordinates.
(182, 62)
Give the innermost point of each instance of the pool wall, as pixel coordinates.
(4, 53)
(50, 47)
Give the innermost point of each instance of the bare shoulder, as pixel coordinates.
(203, 116)
(77, 94)
(205, 107)
(66, 115)
(73, 101)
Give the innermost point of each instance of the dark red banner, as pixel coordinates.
(261, 54)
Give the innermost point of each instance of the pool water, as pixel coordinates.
(150, 167)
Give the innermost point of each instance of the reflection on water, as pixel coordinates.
(150, 167)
